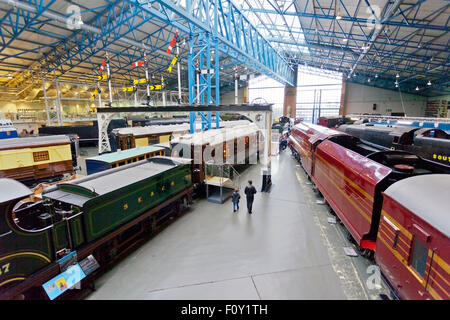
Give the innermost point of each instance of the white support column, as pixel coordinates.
(163, 91)
(58, 104)
(179, 73)
(108, 69)
(236, 85)
(47, 108)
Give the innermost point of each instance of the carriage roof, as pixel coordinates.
(426, 196)
(125, 154)
(15, 143)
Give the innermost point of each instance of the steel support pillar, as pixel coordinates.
(203, 76)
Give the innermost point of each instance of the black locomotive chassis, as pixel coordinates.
(53, 269)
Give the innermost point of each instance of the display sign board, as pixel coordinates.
(89, 264)
(64, 281)
(67, 261)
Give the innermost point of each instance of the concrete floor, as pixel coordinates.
(285, 250)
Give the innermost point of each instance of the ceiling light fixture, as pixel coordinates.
(368, 80)
(417, 88)
(397, 76)
(429, 83)
(338, 17)
(376, 76)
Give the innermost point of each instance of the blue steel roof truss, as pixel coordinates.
(267, 36)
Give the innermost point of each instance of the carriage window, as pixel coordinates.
(419, 257)
(41, 156)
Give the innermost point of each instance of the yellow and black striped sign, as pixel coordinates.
(140, 81)
(103, 77)
(128, 89)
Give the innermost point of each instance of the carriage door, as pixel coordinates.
(420, 258)
(314, 141)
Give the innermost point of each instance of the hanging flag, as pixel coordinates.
(138, 63)
(172, 43)
(172, 64)
(102, 67)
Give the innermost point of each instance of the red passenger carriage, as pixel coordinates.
(352, 176)
(413, 243)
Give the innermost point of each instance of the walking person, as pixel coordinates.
(235, 199)
(250, 193)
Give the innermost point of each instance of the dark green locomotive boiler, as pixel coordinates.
(82, 215)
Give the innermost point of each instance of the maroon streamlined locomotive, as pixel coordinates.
(393, 203)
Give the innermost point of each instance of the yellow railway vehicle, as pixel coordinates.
(34, 159)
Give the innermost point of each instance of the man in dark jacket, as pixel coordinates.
(250, 193)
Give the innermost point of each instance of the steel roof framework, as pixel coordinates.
(117, 26)
(267, 36)
(369, 41)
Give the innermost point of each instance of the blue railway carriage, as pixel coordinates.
(122, 157)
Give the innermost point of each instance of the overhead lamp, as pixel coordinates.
(338, 17)
(417, 88)
(354, 74)
(397, 75)
(429, 83)
(345, 39)
(396, 85)
(368, 80)
(376, 76)
(10, 76)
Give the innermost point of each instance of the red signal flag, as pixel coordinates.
(102, 67)
(172, 43)
(138, 63)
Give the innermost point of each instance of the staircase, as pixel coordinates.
(220, 181)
